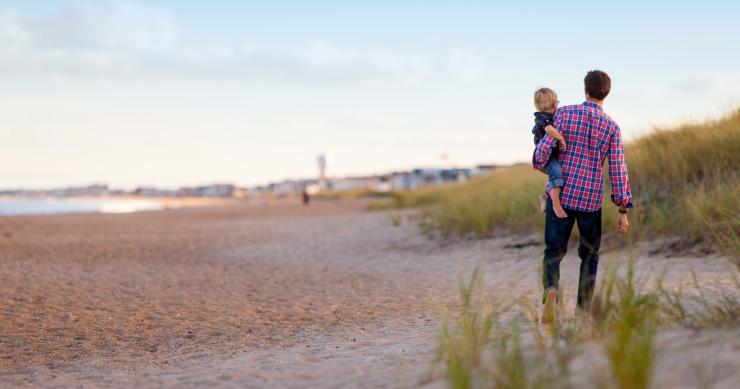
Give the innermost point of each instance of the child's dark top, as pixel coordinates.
(542, 120)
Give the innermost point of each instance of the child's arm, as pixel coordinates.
(550, 130)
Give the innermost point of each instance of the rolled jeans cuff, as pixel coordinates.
(556, 183)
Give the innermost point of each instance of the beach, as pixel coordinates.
(251, 294)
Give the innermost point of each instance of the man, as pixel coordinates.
(591, 137)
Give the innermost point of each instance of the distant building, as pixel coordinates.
(418, 178)
(356, 183)
(152, 192)
(87, 191)
(216, 190)
(483, 169)
(288, 187)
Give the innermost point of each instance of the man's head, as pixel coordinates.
(546, 100)
(597, 85)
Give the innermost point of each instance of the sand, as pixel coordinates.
(252, 295)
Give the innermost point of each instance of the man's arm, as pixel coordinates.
(553, 132)
(621, 190)
(542, 152)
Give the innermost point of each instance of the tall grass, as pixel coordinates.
(479, 348)
(626, 322)
(698, 310)
(461, 347)
(483, 204)
(478, 331)
(685, 181)
(415, 198)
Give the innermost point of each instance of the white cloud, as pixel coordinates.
(115, 39)
(12, 33)
(466, 66)
(715, 85)
(88, 25)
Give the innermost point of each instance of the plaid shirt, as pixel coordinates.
(591, 136)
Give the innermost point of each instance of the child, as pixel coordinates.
(546, 102)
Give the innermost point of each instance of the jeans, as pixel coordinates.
(554, 172)
(557, 234)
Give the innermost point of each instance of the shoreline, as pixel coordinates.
(107, 204)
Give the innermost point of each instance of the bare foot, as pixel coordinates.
(543, 202)
(549, 309)
(559, 211)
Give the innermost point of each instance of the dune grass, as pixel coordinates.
(349, 194)
(685, 182)
(625, 321)
(462, 346)
(697, 310)
(480, 349)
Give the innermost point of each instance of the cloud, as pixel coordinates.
(85, 38)
(12, 33)
(88, 25)
(466, 66)
(120, 39)
(697, 84)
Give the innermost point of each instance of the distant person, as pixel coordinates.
(592, 136)
(546, 102)
(306, 197)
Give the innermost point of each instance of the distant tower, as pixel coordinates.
(322, 171)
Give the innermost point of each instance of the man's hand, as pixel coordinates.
(622, 223)
(550, 130)
(562, 145)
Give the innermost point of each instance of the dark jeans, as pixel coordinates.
(557, 233)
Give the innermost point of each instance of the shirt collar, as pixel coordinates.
(592, 105)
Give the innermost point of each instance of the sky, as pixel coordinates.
(173, 93)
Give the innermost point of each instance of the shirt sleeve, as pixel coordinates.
(543, 150)
(621, 190)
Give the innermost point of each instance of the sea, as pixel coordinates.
(47, 206)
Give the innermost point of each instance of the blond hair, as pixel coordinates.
(545, 99)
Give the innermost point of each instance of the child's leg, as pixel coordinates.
(556, 206)
(555, 172)
(543, 202)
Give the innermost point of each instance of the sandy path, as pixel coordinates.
(248, 296)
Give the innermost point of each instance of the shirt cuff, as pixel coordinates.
(625, 203)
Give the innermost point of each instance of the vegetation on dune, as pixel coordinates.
(625, 321)
(461, 347)
(485, 346)
(415, 198)
(685, 181)
(349, 194)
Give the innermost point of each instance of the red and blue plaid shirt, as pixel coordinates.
(591, 136)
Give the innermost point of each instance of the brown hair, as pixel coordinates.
(597, 84)
(545, 99)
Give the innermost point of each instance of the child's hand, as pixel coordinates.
(562, 145)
